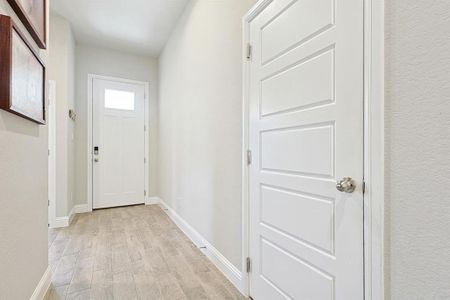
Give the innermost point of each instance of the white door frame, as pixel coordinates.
(90, 102)
(373, 147)
(51, 127)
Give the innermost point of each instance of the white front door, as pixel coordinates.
(306, 133)
(118, 143)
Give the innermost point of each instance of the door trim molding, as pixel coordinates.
(89, 104)
(373, 146)
(374, 149)
(51, 127)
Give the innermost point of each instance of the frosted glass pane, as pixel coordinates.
(119, 99)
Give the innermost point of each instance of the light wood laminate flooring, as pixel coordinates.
(128, 253)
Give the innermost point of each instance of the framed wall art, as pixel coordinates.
(32, 13)
(22, 74)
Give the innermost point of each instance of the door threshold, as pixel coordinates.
(120, 206)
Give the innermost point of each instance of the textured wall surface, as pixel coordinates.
(200, 121)
(61, 69)
(417, 149)
(107, 62)
(23, 200)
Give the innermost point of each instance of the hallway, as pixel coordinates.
(133, 252)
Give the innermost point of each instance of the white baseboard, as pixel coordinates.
(67, 220)
(71, 215)
(64, 221)
(224, 265)
(61, 222)
(81, 208)
(152, 200)
(43, 286)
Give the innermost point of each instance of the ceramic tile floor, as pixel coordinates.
(127, 253)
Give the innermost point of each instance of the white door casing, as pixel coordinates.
(51, 126)
(306, 108)
(119, 133)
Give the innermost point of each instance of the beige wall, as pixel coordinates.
(417, 149)
(23, 201)
(100, 61)
(200, 121)
(61, 68)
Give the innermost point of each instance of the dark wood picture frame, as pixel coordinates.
(7, 29)
(32, 28)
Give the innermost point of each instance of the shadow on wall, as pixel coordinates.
(12, 123)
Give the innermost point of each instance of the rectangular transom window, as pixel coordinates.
(115, 99)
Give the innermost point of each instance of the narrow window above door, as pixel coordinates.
(115, 99)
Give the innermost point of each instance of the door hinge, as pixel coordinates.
(145, 160)
(48, 152)
(48, 202)
(249, 157)
(248, 264)
(363, 187)
(145, 128)
(249, 52)
(145, 193)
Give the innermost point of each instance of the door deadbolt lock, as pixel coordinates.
(346, 185)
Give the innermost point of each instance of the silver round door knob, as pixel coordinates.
(346, 185)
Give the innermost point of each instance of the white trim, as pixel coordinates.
(80, 209)
(89, 102)
(67, 220)
(249, 16)
(71, 216)
(224, 265)
(374, 149)
(64, 221)
(43, 285)
(51, 109)
(373, 145)
(152, 200)
(61, 222)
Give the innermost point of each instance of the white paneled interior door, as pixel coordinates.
(306, 133)
(118, 143)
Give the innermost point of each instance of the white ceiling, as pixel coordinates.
(137, 26)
